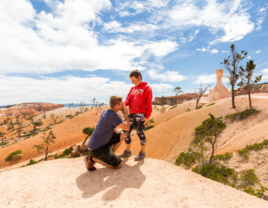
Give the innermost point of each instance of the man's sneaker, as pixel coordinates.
(125, 154)
(140, 156)
(89, 164)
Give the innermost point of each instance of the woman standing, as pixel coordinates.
(139, 100)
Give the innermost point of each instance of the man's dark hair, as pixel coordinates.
(115, 100)
(136, 73)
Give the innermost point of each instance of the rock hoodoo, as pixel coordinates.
(219, 91)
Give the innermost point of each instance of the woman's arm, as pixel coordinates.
(127, 101)
(148, 99)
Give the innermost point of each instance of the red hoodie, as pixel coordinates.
(139, 99)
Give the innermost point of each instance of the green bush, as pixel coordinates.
(199, 107)
(188, 110)
(69, 116)
(65, 153)
(249, 177)
(4, 143)
(173, 107)
(218, 173)
(255, 147)
(226, 156)
(187, 158)
(9, 157)
(242, 115)
(148, 127)
(31, 162)
(211, 104)
(257, 192)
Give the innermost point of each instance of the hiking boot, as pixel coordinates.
(125, 154)
(89, 164)
(140, 156)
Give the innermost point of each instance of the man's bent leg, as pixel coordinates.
(105, 164)
(115, 146)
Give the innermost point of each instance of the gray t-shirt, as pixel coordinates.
(104, 129)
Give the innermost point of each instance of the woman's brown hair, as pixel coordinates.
(136, 73)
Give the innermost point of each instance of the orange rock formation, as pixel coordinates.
(219, 91)
(29, 108)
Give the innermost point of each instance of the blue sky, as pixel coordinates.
(64, 51)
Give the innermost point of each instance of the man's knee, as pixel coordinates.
(119, 166)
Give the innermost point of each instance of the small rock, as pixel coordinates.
(84, 148)
(16, 157)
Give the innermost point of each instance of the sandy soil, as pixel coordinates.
(150, 183)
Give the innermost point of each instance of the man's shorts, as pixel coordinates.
(105, 153)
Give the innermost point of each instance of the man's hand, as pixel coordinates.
(125, 110)
(145, 121)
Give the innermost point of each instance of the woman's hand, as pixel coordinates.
(117, 131)
(145, 121)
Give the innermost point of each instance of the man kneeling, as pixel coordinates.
(105, 138)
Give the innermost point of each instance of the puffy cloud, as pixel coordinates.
(63, 89)
(211, 78)
(43, 43)
(225, 51)
(264, 74)
(168, 76)
(235, 24)
(214, 51)
(258, 51)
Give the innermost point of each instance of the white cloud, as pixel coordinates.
(168, 76)
(262, 14)
(258, 51)
(249, 57)
(264, 74)
(229, 17)
(183, 39)
(71, 88)
(114, 27)
(161, 87)
(161, 48)
(112, 24)
(225, 51)
(204, 49)
(52, 42)
(193, 36)
(214, 51)
(211, 78)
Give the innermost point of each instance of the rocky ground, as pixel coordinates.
(149, 183)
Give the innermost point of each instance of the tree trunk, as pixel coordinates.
(210, 160)
(85, 140)
(233, 97)
(176, 99)
(197, 101)
(46, 152)
(249, 97)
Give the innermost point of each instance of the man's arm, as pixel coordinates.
(125, 125)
